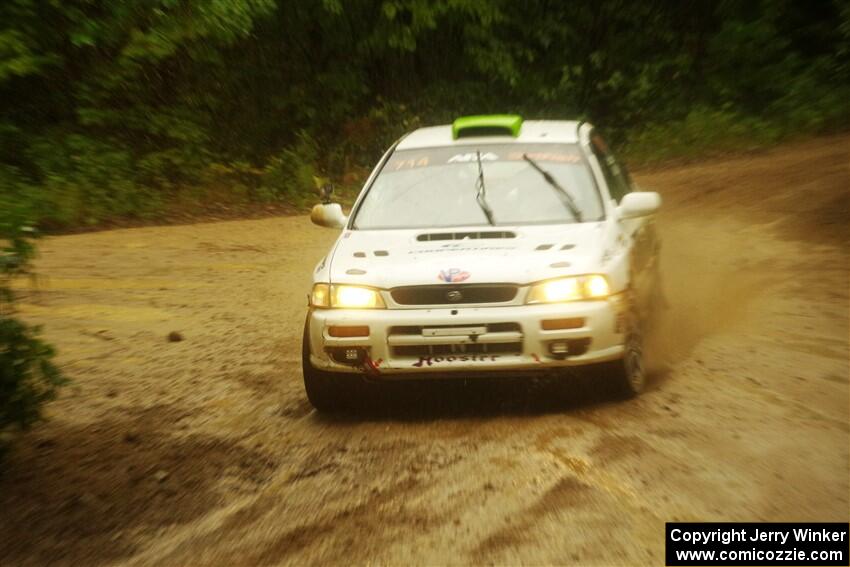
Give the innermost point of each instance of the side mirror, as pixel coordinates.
(329, 215)
(325, 192)
(639, 204)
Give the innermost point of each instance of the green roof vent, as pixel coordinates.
(487, 125)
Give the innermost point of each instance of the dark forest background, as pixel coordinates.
(124, 109)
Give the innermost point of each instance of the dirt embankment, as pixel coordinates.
(205, 451)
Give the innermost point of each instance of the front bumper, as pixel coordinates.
(406, 342)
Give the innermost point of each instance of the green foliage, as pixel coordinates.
(28, 377)
(116, 109)
(290, 174)
(85, 180)
(17, 57)
(16, 248)
(702, 131)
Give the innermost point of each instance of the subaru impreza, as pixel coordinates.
(491, 246)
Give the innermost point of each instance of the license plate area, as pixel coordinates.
(454, 331)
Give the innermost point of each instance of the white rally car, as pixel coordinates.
(490, 246)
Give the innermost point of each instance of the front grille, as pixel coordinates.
(431, 350)
(452, 344)
(490, 328)
(453, 294)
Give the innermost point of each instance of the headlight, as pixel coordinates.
(596, 287)
(569, 289)
(355, 297)
(321, 296)
(346, 297)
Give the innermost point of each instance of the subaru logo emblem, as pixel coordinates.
(454, 296)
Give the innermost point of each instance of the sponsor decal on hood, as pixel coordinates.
(453, 275)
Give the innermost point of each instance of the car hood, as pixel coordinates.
(392, 258)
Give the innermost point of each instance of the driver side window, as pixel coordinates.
(616, 177)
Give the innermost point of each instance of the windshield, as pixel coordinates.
(437, 187)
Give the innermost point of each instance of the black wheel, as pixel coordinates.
(628, 373)
(327, 391)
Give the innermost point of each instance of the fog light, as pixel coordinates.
(349, 355)
(559, 347)
(352, 354)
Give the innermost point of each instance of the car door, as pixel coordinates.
(640, 231)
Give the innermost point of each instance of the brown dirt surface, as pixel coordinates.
(205, 450)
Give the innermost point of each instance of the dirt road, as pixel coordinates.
(205, 451)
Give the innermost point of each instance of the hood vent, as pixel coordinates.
(427, 237)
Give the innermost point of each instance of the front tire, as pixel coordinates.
(325, 390)
(629, 373)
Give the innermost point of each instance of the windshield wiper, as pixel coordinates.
(567, 199)
(480, 196)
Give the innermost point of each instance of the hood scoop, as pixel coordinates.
(429, 236)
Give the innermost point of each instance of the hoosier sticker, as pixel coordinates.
(431, 360)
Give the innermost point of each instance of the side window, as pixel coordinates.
(616, 177)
